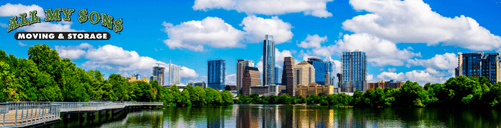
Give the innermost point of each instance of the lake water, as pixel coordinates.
(264, 116)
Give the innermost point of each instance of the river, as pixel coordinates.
(253, 116)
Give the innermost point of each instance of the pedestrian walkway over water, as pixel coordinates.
(25, 113)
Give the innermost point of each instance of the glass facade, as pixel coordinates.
(268, 60)
(320, 70)
(330, 66)
(354, 71)
(216, 74)
(480, 64)
(276, 76)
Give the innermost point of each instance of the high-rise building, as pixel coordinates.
(158, 73)
(174, 77)
(201, 84)
(303, 73)
(136, 76)
(276, 76)
(241, 66)
(216, 74)
(268, 60)
(354, 71)
(287, 75)
(330, 68)
(479, 64)
(320, 70)
(250, 78)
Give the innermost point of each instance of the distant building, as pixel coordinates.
(251, 78)
(385, 84)
(268, 60)
(303, 74)
(201, 84)
(158, 74)
(136, 76)
(287, 75)
(266, 90)
(216, 74)
(354, 71)
(479, 64)
(314, 88)
(241, 66)
(320, 71)
(330, 67)
(132, 79)
(174, 77)
(230, 88)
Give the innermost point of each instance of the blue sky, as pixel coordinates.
(415, 40)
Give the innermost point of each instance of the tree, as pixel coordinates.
(227, 97)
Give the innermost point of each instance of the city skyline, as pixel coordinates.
(414, 48)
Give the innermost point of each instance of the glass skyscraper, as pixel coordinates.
(329, 68)
(320, 71)
(216, 74)
(479, 64)
(354, 71)
(276, 76)
(268, 60)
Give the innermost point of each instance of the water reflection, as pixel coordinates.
(272, 116)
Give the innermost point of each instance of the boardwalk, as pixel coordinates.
(22, 114)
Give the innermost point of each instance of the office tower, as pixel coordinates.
(250, 78)
(136, 76)
(268, 60)
(241, 66)
(319, 66)
(354, 71)
(276, 76)
(201, 84)
(303, 73)
(479, 64)
(287, 75)
(216, 74)
(158, 73)
(174, 77)
(330, 68)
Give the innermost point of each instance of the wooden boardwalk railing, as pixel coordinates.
(25, 113)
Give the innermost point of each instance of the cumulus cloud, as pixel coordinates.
(379, 51)
(8, 10)
(256, 28)
(316, 8)
(72, 52)
(193, 35)
(314, 41)
(420, 76)
(413, 21)
(115, 58)
(447, 61)
(21, 44)
(231, 79)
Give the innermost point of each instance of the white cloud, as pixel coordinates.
(413, 21)
(8, 10)
(193, 35)
(314, 41)
(72, 52)
(214, 32)
(316, 8)
(49, 27)
(379, 51)
(392, 69)
(231, 79)
(3, 25)
(420, 76)
(21, 44)
(256, 28)
(447, 61)
(187, 73)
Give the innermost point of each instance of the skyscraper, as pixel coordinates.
(174, 77)
(250, 78)
(241, 66)
(287, 75)
(479, 64)
(268, 60)
(158, 74)
(303, 73)
(320, 70)
(216, 74)
(329, 68)
(354, 71)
